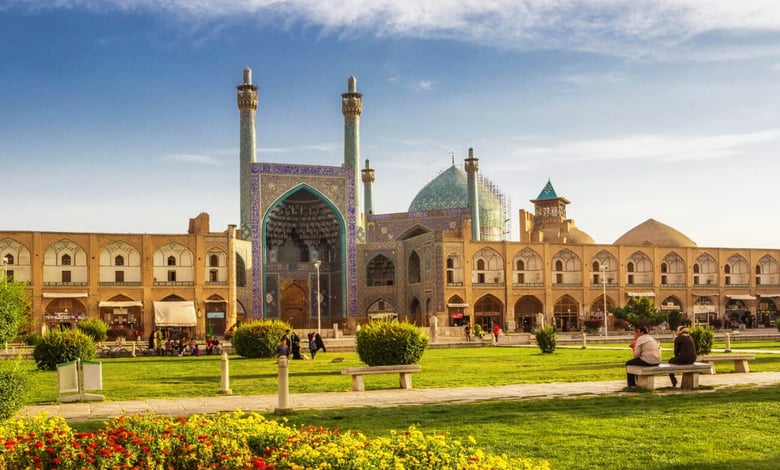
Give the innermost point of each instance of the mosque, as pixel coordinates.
(310, 250)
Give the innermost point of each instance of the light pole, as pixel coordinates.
(317, 268)
(5, 261)
(604, 294)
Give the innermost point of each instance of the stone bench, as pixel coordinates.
(690, 374)
(405, 372)
(740, 360)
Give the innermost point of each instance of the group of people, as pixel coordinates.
(183, 346)
(290, 344)
(647, 352)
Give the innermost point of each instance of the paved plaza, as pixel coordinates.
(87, 411)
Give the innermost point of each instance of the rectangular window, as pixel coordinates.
(663, 279)
(119, 276)
(480, 278)
(758, 281)
(728, 280)
(630, 278)
(66, 276)
(559, 278)
(695, 279)
(213, 275)
(171, 276)
(9, 274)
(520, 278)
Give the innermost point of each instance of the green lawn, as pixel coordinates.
(721, 429)
(171, 377)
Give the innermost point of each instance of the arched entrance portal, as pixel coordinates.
(487, 311)
(303, 239)
(565, 313)
(526, 311)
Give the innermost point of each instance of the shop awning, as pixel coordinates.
(120, 303)
(175, 313)
(640, 294)
(458, 305)
(214, 301)
(741, 297)
(769, 295)
(65, 295)
(704, 294)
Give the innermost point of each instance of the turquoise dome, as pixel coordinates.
(449, 190)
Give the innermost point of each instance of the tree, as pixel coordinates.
(640, 311)
(15, 302)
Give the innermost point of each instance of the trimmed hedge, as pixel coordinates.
(259, 338)
(703, 337)
(390, 342)
(14, 385)
(95, 328)
(57, 347)
(545, 338)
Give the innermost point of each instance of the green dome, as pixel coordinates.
(449, 190)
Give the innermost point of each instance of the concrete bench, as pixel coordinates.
(740, 360)
(690, 374)
(405, 372)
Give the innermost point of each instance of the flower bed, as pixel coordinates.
(231, 441)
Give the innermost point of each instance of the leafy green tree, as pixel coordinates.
(15, 304)
(640, 311)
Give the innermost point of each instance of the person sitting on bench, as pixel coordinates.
(684, 350)
(647, 352)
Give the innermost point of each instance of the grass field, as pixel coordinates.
(721, 429)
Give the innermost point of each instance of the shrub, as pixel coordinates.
(14, 386)
(95, 328)
(390, 342)
(676, 318)
(32, 339)
(57, 347)
(545, 338)
(259, 338)
(478, 330)
(703, 337)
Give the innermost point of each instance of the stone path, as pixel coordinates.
(88, 411)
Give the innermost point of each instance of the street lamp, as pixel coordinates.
(317, 268)
(5, 261)
(604, 294)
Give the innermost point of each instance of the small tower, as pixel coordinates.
(352, 108)
(247, 105)
(368, 181)
(472, 167)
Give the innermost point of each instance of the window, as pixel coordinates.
(695, 279)
(171, 276)
(66, 260)
(214, 260)
(630, 267)
(663, 279)
(171, 261)
(559, 278)
(559, 265)
(119, 276)
(65, 276)
(213, 275)
(9, 274)
(520, 265)
(521, 278)
(480, 278)
(381, 305)
(664, 269)
(630, 278)
(481, 265)
(696, 269)
(728, 280)
(450, 277)
(119, 261)
(9, 259)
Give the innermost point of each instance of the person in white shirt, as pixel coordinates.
(647, 352)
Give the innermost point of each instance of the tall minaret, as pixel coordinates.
(368, 181)
(247, 105)
(352, 108)
(472, 167)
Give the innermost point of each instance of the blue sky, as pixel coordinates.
(120, 116)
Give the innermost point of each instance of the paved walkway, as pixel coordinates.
(88, 411)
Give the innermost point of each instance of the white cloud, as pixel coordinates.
(639, 28)
(190, 158)
(654, 147)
